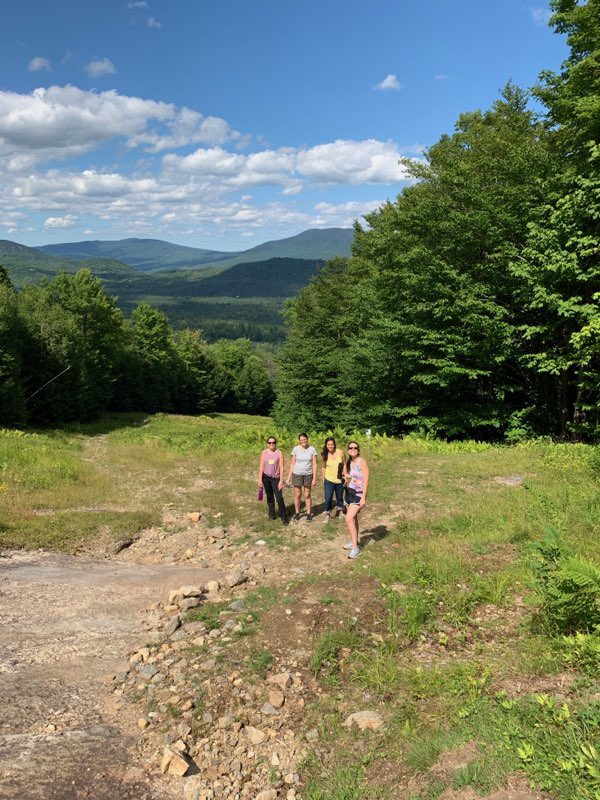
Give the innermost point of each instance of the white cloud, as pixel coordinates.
(389, 83)
(67, 221)
(137, 4)
(347, 161)
(343, 215)
(140, 194)
(440, 77)
(99, 67)
(210, 161)
(187, 127)
(151, 22)
(341, 162)
(62, 121)
(39, 64)
(540, 16)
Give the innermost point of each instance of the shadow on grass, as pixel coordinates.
(106, 424)
(374, 534)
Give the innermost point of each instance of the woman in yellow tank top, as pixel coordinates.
(334, 474)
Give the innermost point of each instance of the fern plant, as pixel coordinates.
(568, 586)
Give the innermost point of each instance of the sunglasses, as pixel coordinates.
(353, 447)
(271, 441)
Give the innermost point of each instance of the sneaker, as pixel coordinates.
(348, 546)
(354, 553)
(285, 521)
(309, 517)
(326, 518)
(339, 511)
(296, 517)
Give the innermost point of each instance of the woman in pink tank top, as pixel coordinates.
(356, 495)
(270, 477)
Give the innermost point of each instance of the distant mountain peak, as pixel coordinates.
(156, 255)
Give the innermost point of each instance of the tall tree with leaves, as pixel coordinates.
(559, 271)
(311, 385)
(71, 324)
(426, 326)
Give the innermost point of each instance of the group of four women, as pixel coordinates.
(346, 479)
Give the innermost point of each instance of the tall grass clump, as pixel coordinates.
(30, 461)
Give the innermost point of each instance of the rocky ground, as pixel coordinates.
(178, 665)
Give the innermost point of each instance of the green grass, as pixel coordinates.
(208, 613)
(259, 661)
(446, 590)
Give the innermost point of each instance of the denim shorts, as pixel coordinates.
(354, 501)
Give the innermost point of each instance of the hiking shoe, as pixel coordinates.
(296, 517)
(309, 517)
(354, 553)
(348, 546)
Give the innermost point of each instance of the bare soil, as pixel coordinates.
(68, 624)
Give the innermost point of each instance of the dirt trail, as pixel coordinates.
(66, 624)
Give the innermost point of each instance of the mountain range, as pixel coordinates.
(225, 294)
(154, 255)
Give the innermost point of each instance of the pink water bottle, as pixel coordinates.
(260, 493)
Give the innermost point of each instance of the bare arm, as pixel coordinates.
(281, 470)
(314, 470)
(292, 464)
(344, 470)
(365, 471)
(260, 471)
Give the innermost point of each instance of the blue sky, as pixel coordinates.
(223, 125)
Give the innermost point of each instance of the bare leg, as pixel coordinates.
(308, 499)
(352, 523)
(297, 495)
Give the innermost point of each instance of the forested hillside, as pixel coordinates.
(147, 255)
(469, 306)
(155, 255)
(67, 353)
(244, 301)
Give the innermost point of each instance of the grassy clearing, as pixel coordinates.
(453, 628)
(442, 625)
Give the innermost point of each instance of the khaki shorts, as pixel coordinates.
(301, 480)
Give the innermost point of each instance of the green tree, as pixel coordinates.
(12, 400)
(148, 372)
(249, 386)
(311, 388)
(201, 381)
(70, 324)
(559, 270)
(421, 328)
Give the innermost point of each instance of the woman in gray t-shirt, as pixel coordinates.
(303, 475)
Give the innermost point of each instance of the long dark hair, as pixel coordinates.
(349, 461)
(325, 451)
